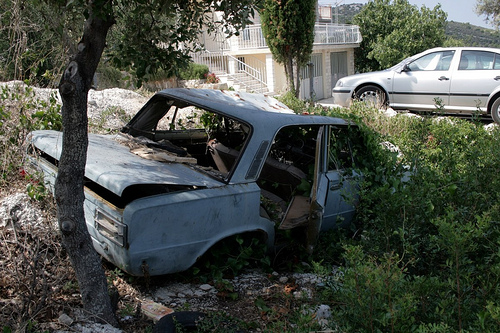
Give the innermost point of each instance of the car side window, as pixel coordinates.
(339, 150)
(478, 60)
(436, 61)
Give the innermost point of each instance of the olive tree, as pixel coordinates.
(288, 27)
(156, 29)
(394, 29)
(490, 8)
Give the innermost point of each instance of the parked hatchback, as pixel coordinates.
(195, 166)
(459, 80)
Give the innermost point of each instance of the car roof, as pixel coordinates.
(248, 107)
(466, 48)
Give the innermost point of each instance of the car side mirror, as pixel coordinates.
(406, 68)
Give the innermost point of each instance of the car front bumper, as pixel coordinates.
(342, 96)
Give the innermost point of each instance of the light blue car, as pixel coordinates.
(195, 166)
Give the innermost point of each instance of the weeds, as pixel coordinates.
(20, 113)
(34, 271)
(229, 258)
(425, 258)
(102, 124)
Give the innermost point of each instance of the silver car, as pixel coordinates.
(196, 166)
(458, 80)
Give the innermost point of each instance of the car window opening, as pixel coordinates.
(205, 140)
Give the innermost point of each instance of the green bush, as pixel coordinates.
(20, 113)
(442, 223)
(423, 252)
(194, 72)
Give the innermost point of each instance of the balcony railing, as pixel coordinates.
(252, 37)
(336, 34)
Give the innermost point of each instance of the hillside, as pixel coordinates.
(471, 35)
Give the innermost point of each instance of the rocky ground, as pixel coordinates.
(38, 285)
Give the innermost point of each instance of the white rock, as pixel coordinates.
(206, 287)
(65, 319)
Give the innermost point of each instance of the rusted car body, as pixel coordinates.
(195, 166)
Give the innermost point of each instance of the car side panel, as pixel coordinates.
(471, 89)
(420, 89)
(167, 233)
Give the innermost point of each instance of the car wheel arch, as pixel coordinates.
(260, 234)
(491, 100)
(494, 104)
(366, 84)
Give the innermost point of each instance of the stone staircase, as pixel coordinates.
(246, 78)
(244, 82)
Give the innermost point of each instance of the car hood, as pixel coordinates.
(356, 78)
(113, 166)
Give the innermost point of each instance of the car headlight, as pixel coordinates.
(110, 228)
(339, 83)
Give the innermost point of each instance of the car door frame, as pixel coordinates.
(326, 197)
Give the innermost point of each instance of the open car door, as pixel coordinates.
(331, 202)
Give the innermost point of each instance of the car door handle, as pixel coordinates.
(496, 78)
(443, 78)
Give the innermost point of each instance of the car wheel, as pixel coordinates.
(372, 96)
(187, 320)
(495, 111)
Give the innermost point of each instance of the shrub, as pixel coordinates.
(20, 113)
(423, 256)
(212, 78)
(194, 72)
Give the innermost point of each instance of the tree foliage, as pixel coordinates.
(36, 36)
(490, 8)
(288, 27)
(159, 34)
(33, 43)
(394, 30)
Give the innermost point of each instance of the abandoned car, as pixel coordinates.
(196, 166)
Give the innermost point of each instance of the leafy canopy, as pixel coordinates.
(288, 27)
(395, 30)
(37, 36)
(159, 34)
(490, 8)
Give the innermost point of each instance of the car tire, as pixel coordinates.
(495, 111)
(187, 320)
(372, 96)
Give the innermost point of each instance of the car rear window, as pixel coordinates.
(479, 60)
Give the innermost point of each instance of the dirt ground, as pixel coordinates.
(38, 283)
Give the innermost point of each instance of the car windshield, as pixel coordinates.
(206, 140)
(400, 64)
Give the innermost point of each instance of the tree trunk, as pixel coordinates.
(289, 74)
(69, 193)
(297, 84)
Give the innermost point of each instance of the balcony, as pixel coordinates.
(324, 34)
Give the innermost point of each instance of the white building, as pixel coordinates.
(245, 61)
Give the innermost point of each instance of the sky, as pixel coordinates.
(457, 10)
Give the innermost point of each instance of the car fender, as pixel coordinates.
(167, 233)
(495, 94)
(381, 79)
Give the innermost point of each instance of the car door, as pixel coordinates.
(333, 195)
(477, 75)
(423, 81)
(340, 193)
